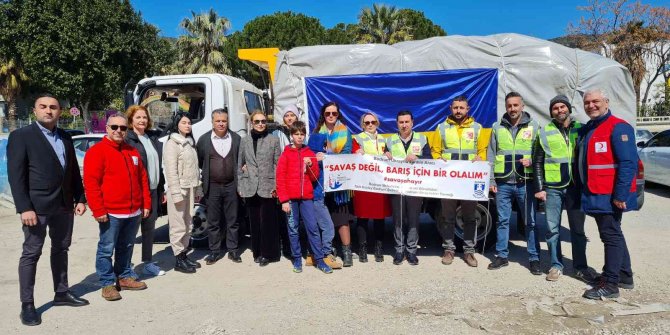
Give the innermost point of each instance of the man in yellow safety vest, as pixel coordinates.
(461, 138)
(409, 146)
(509, 153)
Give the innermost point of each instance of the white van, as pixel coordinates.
(199, 95)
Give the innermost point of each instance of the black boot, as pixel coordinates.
(191, 262)
(363, 253)
(181, 265)
(347, 258)
(379, 252)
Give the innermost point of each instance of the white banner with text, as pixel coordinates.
(430, 178)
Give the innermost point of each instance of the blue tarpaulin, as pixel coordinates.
(426, 94)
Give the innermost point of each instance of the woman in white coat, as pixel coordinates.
(182, 176)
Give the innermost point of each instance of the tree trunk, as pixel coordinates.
(85, 117)
(11, 103)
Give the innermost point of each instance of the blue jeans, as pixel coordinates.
(526, 202)
(117, 237)
(568, 198)
(304, 209)
(325, 223)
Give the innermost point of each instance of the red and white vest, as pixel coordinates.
(601, 174)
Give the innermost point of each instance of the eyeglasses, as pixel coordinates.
(367, 123)
(260, 121)
(327, 114)
(117, 127)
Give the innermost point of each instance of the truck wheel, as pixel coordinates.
(486, 232)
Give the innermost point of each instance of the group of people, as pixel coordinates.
(127, 177)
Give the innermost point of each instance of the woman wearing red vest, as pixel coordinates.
(607, 165)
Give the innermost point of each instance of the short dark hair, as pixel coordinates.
(46, 95)
(298, 127)
(513, 94)
(219, 111)
(461, 98)
(404, 112)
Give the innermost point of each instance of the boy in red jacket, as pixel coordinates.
(296, 170)
(117, 188)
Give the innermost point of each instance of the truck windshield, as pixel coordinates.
(253, 101)
(163, 102)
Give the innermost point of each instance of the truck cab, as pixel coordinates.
(198, 95)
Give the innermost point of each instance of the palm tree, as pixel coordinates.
(382, 24)
(201, 48)
(12, 78)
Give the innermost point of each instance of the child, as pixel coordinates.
(296, 170)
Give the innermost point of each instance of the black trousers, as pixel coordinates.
(617, 258)
(222, 216)
(264, 227)
(362, 230)
(148, 225)
(60, 232)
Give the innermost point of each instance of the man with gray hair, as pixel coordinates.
(607, 162)
(217, 157)
(117, 189)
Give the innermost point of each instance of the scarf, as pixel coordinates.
(255, 135)
(334, 144)
(337, 139)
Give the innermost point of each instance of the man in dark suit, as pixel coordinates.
(217, 157)
(46, 185)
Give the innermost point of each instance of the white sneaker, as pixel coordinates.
(554, 274)
(152, 269)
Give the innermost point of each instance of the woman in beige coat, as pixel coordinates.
(182, 176)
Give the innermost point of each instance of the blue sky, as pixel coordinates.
(539, 18)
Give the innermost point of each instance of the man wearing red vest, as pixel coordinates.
(607, 165)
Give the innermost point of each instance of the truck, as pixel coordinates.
(536, 68)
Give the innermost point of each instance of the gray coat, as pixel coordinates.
(259, 177)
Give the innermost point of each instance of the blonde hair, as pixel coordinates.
(254, 113)
(366, 114)
(132, 110)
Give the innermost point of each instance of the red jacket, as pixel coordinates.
(115, 179)
(600, 162)
(294, 179)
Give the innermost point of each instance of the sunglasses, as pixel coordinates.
(117, 127)
(367, 123)
(327, 114)
(260, 121)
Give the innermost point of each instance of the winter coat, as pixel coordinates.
(294, 179)
(115, 179)
(180, 165)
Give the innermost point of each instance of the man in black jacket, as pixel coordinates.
(217, 157)
(46, 186)
(553, 158)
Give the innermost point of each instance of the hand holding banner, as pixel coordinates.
(428, 178)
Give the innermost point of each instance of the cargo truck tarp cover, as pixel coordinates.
(427, 94)
(536, 68)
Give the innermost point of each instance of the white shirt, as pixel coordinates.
(223, 144)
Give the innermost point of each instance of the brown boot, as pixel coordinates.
(470, 259)
(309, 261)
(131, 284)
(332, 262)
(110, 293)
(448, 257)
